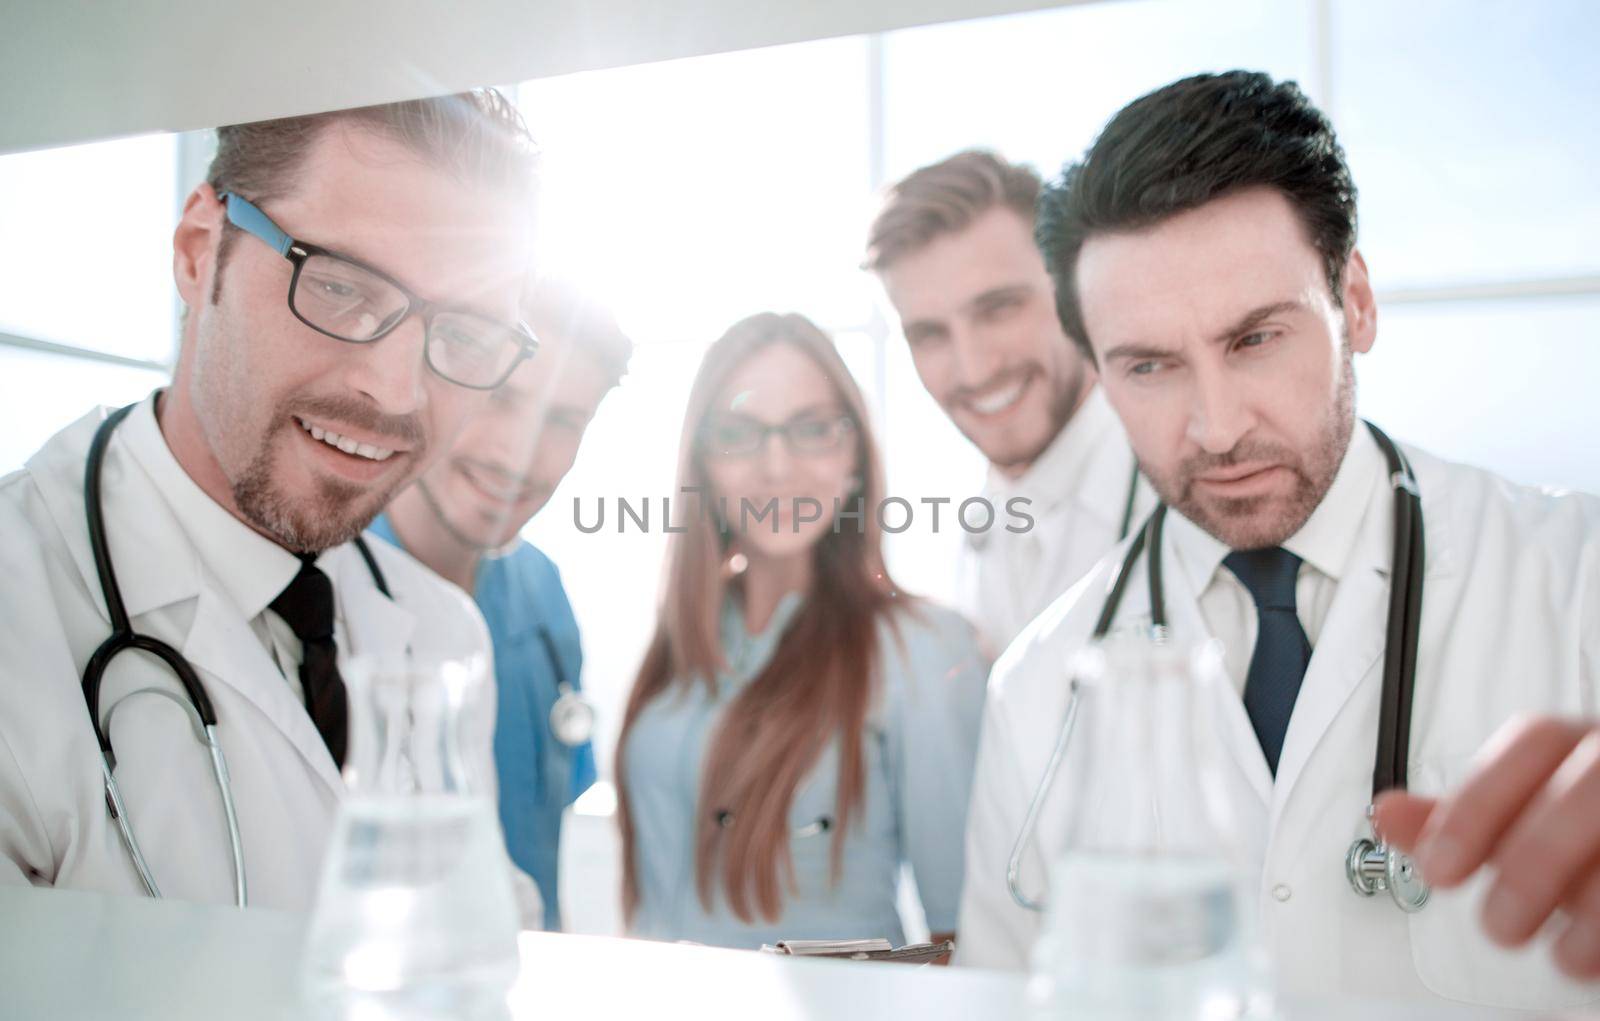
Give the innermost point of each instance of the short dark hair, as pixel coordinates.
(1184, 145)
(945, 197)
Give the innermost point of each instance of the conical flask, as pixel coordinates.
(1148, 908)
(415, 915)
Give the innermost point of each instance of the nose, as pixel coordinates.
(774, 459)
(391, 371)
(975, 360)
(1220, 415)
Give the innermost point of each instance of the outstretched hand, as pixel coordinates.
(1531, 809)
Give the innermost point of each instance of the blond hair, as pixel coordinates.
(945, 197)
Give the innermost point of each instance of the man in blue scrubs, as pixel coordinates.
(462, 519)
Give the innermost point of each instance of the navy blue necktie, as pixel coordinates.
(307, 607)
(1282, 651)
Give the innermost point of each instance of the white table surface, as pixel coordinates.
(70, 954)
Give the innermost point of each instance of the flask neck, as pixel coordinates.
(407, 729)
(1145, 763)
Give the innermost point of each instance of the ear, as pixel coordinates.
(195, 243)
(1360, 307)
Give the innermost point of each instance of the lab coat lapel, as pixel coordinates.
(376, 625)
(1349, 650)
(222, 646)
(1227, 709)
(153, 564)
(1050, 536)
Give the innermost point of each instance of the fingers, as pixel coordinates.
(1463, 831)
(1399, 816)
(1577, 950)
(1551, 848)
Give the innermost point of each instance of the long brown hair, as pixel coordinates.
(820, 681)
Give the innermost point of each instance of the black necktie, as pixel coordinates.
(307, 607)
(1282, 652)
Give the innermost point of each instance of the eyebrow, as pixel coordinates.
(1249, 321)
(809, 411)
(994, 294)
(988, 297)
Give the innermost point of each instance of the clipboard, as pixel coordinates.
(862, 950)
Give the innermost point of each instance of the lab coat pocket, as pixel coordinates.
(1456, 959)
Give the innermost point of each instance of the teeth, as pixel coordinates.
(496, 492)
(998, 402)
(346, 444)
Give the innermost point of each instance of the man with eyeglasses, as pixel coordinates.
(463, 519)
(352, 284)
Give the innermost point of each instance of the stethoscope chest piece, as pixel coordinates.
(571, 717)
(1372, 867)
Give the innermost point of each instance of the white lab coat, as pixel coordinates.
(1077, 495)
(1511, 625)
(55, 829)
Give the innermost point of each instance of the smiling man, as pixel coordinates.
(352, 284)
(953, 246)
(462, 518)
(1204, 256)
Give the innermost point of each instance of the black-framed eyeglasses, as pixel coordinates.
(347, 300)
(805, 435)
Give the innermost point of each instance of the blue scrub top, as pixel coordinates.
(921, 742)
(521, 594)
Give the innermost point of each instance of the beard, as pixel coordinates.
(1067, 388)
(492, 540)
(336, 511)
(224, 391)
(1261, 522)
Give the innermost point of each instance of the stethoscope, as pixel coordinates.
(197, 706)
(1370, 865)
(571, 715)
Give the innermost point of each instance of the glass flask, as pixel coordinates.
(415, 916)
(1148, 911)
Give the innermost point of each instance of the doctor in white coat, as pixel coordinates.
(953, 245)
(1204, 256)
(249, 476)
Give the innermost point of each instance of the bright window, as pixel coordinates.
(1471, 132)
(86, 264)
(87, 258)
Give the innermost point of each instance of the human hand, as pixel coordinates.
(1530, 808)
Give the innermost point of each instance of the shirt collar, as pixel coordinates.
(1063, 471)
(247, 566)
(1327, 539)
(745, 653)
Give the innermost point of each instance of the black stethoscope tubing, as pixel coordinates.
(1370, 866)
(1404, 618)
(123, 638)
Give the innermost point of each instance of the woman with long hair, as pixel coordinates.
(799, 728)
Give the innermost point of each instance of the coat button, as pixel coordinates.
(1281, 892)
